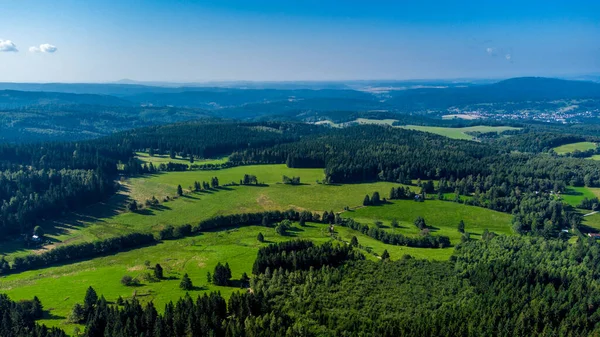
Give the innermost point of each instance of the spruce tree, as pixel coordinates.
(158, 271)
(385, 255)
(186, 283)
(367, 201)
(461, 226)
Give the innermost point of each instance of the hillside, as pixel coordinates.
(522, 89)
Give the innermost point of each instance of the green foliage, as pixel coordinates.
(186, 283)
(221, 275)
(461, 226)
(158, 271)
(420, 223)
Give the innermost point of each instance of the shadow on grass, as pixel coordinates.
(572, 192)
(73, 221)
(160, 207)
(49, 315)
(197, 288)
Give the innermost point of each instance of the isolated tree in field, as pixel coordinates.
(354, 242)
(221, 274)
(461, 226)
(394, 223)
(186, 283)
(260, 237)
(385, 255)
(39, 231)
(376, 199)
(151, 152)
(128, 281)
(191, 159)
(158, 271)
(172, 154)
(179, 190)
(420, 223)
(367, 201)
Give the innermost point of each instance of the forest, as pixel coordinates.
(541, 281)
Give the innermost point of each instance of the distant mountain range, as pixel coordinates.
(90, 110)
(404, 96)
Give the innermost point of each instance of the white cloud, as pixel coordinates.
(508, 57)
(491, 51)
(7, 45)
(43, 48)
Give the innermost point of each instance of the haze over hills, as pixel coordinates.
(58, 110)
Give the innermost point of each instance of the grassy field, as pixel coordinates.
(459, 133)
(165, 184)
(442, 216)
(195, 256)
(569, 148)
(574, 195)
(375, 121)
(591, 221)
(109, 219)
(237, 246)
(164, 159)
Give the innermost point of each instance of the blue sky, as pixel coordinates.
(186, 41)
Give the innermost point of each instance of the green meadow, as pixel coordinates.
(164, 159)
(574, 195)
(110, 219)
(459, 133)
(569, 148)
(60, 287)
(442, 217)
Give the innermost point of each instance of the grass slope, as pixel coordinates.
(195, 256)
(164, 159)
(441, 216)
(459, 133)
(569, 148)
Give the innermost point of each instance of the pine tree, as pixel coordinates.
(420, 223)
(158, 271)
(186, 283)
(179, 190)
(394, 223)
(385, 255)
(260, 237)
(367, 201)
(244, 280)
(221, 274)
(354, 242)
(461, 226)
(90, 300)
(375, 200)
